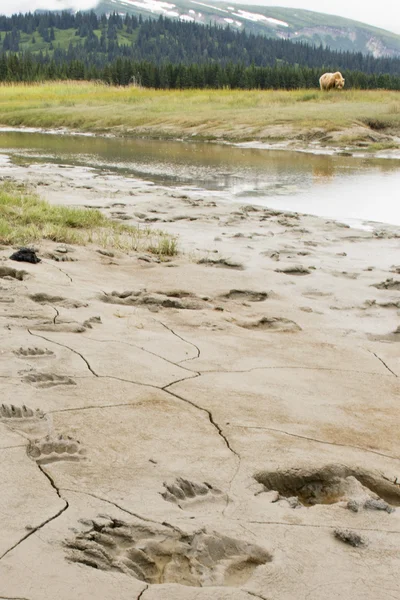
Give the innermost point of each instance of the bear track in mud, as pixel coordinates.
(332, 484)
(185, 493)
(9, 411)
(48, 380)
(33, 352)
(54, 449)
(157, 554)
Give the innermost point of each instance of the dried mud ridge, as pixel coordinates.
(179, 299)
(169, 299)
(10, 273)
(157, 554)
(271, 324)
(332, 484)
(58, 300)
(388, 284)
(245, 295)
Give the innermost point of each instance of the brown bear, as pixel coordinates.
(331, 80)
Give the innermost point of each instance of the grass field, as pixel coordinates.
(26, 219)
(203, 114)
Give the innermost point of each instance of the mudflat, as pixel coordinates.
(218, 424)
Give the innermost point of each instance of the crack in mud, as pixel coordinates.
(287, 524)
(12, 598)
(183, 340)
(142, 592)
(67, 347)
(58, 269)
(49, 520)
(271, 368)
(210, 418)
(144, 350)
(304, 437)
(255, 595)
(384, 364)
(55, 316)
(129, 512)
(164, 389)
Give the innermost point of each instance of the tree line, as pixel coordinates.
(101, 40)
(124, 71)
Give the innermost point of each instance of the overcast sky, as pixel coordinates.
(382, 13)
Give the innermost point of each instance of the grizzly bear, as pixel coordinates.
(331, 80)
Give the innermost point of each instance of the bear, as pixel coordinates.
(331, 80)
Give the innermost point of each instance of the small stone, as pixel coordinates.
(353, 505)
(349, 537)
(378, 504)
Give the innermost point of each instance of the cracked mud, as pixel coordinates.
(239, 424)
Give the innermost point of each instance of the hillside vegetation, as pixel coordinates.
(96, 41)
(314, 28)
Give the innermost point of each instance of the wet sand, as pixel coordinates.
(200, 427)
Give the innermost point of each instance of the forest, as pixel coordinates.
(163, 53)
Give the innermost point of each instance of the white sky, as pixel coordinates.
(385, 13)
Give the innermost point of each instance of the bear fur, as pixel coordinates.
(331, 80)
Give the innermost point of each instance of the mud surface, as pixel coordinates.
(218, 425)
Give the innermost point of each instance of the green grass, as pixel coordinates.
(208, 114)
(26, 219)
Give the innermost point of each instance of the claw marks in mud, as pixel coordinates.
(48, 380)
(187, 494)
(32, 422)
(54, 449)
(156, 554)
(332, 484)
(20, 413)
(33, 353)
(44, 446)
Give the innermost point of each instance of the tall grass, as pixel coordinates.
(26, 219)
(208, 114)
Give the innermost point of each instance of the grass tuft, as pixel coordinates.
(27, 219)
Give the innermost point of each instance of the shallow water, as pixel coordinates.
(347, 188)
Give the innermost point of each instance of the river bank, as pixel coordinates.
(348, 121)
(238, 400)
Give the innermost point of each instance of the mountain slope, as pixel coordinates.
(302, 25)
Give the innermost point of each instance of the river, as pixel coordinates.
(353, 189)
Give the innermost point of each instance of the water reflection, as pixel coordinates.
(329, 185)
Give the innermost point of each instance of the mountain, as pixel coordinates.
(311, 27)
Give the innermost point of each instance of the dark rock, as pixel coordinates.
(25, 255)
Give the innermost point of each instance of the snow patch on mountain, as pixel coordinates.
(256, 17)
